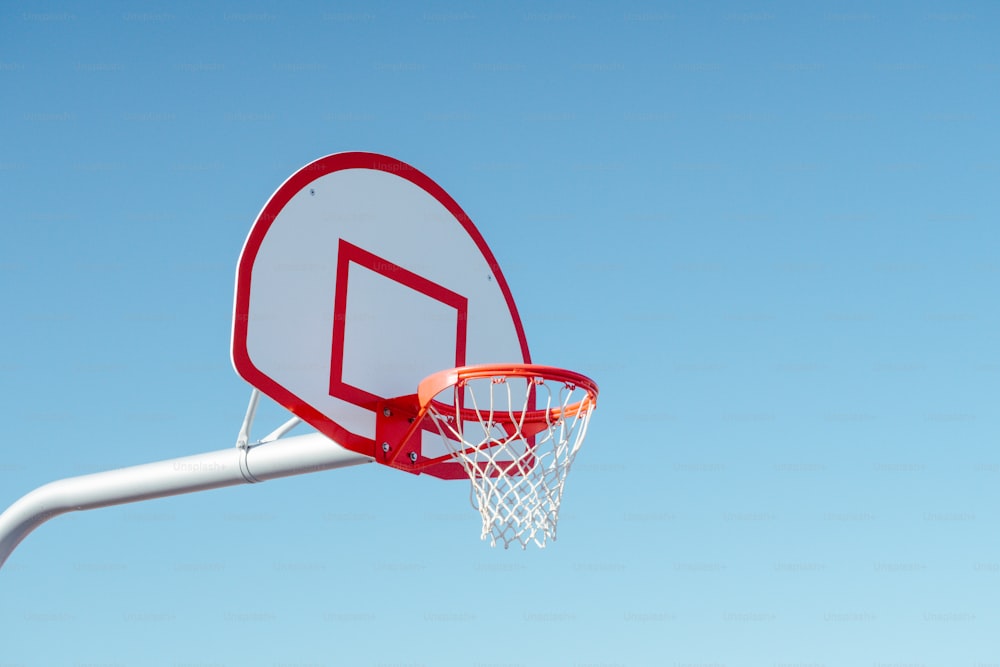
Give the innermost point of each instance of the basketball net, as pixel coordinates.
(516, 441)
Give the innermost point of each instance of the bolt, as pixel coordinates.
(385, 447)
(413, 457)
(386, 412)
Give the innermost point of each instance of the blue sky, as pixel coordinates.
(768, 230)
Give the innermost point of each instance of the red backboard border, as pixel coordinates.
(301, 179)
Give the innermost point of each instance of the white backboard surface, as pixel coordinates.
(359, 278)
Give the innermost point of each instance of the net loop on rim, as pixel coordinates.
(516, 430)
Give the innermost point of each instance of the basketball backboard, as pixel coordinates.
(361, 277)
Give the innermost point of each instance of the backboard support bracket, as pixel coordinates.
(395, 422)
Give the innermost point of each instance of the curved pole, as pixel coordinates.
(228, 467)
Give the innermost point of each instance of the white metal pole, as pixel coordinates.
(228, 467)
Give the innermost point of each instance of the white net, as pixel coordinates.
(516, 438)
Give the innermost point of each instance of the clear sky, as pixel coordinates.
(769, 230)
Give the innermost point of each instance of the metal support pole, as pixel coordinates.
(228, 467)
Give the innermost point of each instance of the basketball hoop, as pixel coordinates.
(400, 310)
(515, 429)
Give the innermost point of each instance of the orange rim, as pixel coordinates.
(434, 384)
